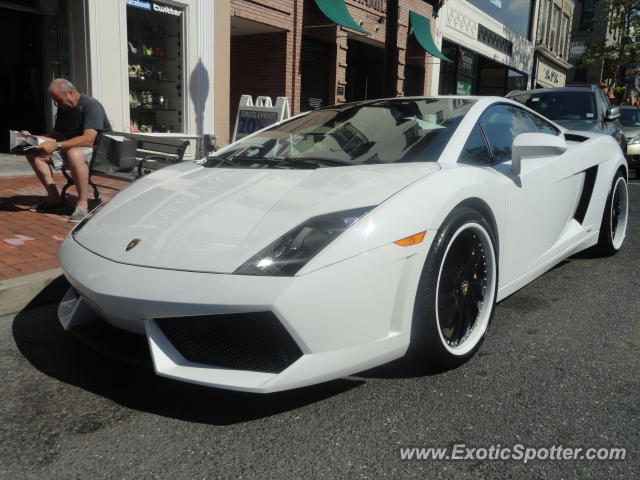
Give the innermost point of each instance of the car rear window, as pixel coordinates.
(561, 105)
(630, 117)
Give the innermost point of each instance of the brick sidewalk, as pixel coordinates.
(29, 241)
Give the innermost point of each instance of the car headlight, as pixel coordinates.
(288, 254)
(635, 140)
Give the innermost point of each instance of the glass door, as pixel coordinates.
(32, 46)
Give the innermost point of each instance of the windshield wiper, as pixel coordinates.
(314, 161)
(276, 162)
(239, 160)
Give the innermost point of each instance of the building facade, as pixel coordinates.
(489, 45)
(152, 64)
(589, 24)
(553, 39)
(299, 49)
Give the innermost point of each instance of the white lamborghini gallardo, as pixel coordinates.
(343, 238)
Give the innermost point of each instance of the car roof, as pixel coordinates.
(586, 88)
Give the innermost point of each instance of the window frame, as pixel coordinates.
(487, 145)
(554, 28)
(486, 139)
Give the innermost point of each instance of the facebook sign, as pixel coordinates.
(139, 4)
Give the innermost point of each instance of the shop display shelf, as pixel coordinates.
(150, 57)
(150, 80)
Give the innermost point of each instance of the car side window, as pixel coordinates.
(475, 151)
(604, 102)
(502, 124)
(544, 126)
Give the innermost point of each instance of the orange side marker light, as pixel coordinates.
(411, 240)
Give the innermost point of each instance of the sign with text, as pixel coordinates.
(548, 76)
(154, 6)
(253, 117)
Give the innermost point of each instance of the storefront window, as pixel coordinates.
(155, 45)
(447, 83)
(516, 81)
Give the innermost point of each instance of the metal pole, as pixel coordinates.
(390, 80)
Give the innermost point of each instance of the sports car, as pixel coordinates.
(343, 238)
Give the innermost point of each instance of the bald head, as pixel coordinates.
(64, 93)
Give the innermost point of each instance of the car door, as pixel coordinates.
(540, 201)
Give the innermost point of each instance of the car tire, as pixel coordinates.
(459, 280)
(615, 217)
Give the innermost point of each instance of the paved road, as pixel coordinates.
(561, 366)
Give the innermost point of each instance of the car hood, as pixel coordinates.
(584, 125)
(630, 132)
(189, 217)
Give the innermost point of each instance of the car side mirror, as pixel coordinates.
(613, 113)
(535, 145)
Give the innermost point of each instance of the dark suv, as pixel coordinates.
(575, 108)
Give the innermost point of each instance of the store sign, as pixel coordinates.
(463, 88)
(139, 4)
(466, 64)
(549, 76)
(156, 7)
(251, 118)
(491, 38)
(166, 9)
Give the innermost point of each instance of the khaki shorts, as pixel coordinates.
(59, 159)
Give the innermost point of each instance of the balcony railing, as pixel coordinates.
(380, 5)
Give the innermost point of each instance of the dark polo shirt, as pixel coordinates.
(87, 114)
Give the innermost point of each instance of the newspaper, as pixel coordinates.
(19, 142)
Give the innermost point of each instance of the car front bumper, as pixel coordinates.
(344, 318)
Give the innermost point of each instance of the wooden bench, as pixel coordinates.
(149, 154)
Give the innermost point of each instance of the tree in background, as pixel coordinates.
(621, 50)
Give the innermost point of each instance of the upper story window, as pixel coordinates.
(586, 18)
(562, 41)
(554, 29)
(543, 20)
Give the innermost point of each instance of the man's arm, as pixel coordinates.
(85, 140)
(54, 135)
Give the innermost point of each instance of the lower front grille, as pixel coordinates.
(115, 343)
(243, 341)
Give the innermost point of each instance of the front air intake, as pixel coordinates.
(243, 341)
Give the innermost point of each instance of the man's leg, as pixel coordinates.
(80, 173)
(40, 164)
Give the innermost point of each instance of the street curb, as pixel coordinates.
(16, 293)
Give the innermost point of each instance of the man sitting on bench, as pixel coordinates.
(79, 120)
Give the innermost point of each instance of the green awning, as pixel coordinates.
(336, 11)
(422, 31)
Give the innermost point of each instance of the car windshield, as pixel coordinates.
(380, 131)
(561, 105)
(630, 117)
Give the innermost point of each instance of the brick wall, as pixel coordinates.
(258, 67)
(269, 64)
